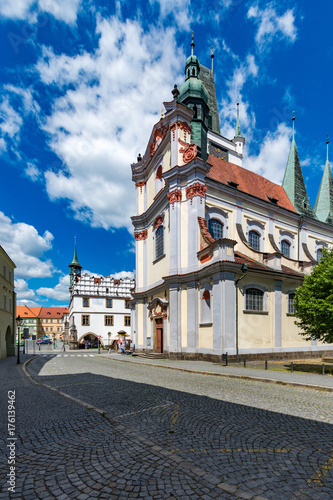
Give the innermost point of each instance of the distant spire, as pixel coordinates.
(324, 203)
(75, 263)
(192, 44)
(238, 130)
(212, 56)
(293, 181)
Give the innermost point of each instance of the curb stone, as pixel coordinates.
(210, 478)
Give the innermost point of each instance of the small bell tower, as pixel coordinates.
(75, 268)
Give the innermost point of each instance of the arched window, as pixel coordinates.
(205, 310)
(291, 303)
(159, 172)
(215, 228)
(254, 300)
(159, 242)
(254, 240)
(193, 72)
(319, 254)
(285, 248)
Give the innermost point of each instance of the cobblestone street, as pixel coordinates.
(146, 432)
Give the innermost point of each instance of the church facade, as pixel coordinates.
(220, 250)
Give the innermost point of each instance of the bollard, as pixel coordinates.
(266, 364)
(292, 367)
(323, 369)
(244, 363)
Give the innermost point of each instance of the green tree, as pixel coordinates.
(314, 301)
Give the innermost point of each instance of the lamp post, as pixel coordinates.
(18, 323)
(54, 340)
(109, 335)
(99, 350)
(244, 269)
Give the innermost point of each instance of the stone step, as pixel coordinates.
(149, 355)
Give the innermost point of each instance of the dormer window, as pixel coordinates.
(215, 228)
(233, 184)
(272, 200)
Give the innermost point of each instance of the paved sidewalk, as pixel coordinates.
(311, 380)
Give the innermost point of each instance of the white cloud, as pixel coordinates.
(32, 172)
(123, 274)
(99, 128)
(23, 291)
(271, 26)
(10, 121)
(272, 158)
(178, 9)
(26, 248)
(63, 10)
(59, 292)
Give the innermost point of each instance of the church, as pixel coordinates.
(220, 250)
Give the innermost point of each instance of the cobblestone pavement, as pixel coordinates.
(147, 432)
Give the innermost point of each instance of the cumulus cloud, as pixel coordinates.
(60, 292)
(26, 248)
(24, 293)
(111, 99)
(28, 10)
(271, 27)
(272, 158)
(178, 9)
(123, 274)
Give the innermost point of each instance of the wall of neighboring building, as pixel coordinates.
(7, 306)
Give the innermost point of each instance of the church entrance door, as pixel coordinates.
(159, 334)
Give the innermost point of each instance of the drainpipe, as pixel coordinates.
(244, 269)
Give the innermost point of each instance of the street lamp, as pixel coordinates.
(99, 350)
(54, 340)
(19, 321)
(109, 335)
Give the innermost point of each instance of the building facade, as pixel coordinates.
(220, 250)
(7, 305)
(42, 321)
(100, 307)
(30, 319)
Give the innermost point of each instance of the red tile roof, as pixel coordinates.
(52, 312)
(248, 181)
(253, 264)
(28, 312)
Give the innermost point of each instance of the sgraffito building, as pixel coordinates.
(220, 250)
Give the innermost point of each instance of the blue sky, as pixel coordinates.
(83, 82)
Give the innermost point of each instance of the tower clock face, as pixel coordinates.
(218, 152)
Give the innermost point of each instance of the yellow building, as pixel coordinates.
(220, 250)
(7, 305)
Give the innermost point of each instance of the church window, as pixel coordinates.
(254, 240)
(108, 302)
(159, 172)
(206, 309)
(85, 320)
(215, 228)
(291, 303)
(159, 242)
(108, 320)
(85, 302)
(127, 320)
(285, 248)
(319, 254)
(193, 72)
(254, 299)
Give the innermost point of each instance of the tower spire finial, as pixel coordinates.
(327, 143)
(212, 56)
(192, 44)
(238, 130)
(294, 125)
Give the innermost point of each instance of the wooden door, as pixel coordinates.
(159, 335)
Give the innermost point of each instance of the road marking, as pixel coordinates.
(91, 355)
(316, 479)
(58, 355)
(85, 355)
(79, 355)
(65, 355)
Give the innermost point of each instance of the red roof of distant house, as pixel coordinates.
(248, 181)
(52, 312)
(27, 311)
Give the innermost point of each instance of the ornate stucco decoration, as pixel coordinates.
(174, 196)
(196, 190)
(158, 221)
(157, 308)
(140, 185)
(142, 235)
(182, 126)
(159, 134)
(189, 151)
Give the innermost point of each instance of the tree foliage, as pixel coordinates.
(314, 301)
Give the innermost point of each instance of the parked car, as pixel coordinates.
(44, 341)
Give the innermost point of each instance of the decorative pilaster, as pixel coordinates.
(196, 190)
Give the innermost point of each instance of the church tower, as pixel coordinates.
(293, 181)
(324, 203)
(75, 268)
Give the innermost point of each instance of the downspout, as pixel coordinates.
(244, 269)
